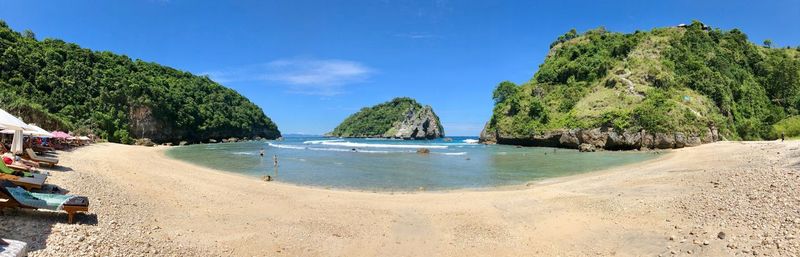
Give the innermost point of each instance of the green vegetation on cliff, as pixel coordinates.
(387, 120)
(63, 86)
(680, 79)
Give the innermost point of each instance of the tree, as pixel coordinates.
(504, 90)
(29, 34)
(63, 86)
(768, 43)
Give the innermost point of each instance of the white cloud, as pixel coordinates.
(325, 77)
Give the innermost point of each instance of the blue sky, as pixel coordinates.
(309, 64)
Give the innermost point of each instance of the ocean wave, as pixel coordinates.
(458, 153)
(364, 145)
(349, 150)
(470, 141)
(244, 153)
(316, 142)
(287, 146)
(331, 149)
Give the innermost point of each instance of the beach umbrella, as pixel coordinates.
(60, 134)
(11, 132)
(16, 143)
(8, 121)
(38, 132)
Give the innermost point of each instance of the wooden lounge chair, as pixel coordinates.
(12, 196)
(24, 179)
(43, 149)
(47, 160)
(29, 183)
(19, 167)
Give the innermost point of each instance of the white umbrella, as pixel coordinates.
(37, 131)
(8, 121)
(16, 144)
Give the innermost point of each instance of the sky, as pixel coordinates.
(310, 64)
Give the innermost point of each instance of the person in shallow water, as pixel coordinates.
(261, 152)
(275, 160)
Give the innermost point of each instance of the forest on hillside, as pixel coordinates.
(63, 86)
(677, 79)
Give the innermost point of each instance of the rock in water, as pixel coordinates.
(587, 148)
(144, 142)
(418, 124)
(423, 151)
(400, 118)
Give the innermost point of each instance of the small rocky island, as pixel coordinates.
(402, 118)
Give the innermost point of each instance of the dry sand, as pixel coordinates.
(143, 203)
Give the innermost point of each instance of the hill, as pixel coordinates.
(666, 88)
(401, 117)
(63, 86)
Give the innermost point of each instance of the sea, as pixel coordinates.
(389, 165)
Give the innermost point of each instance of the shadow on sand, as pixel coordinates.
(33, 226)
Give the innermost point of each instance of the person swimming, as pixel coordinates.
(261, 152)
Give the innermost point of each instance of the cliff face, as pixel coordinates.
(589, 140)
(402, 118)
(666, 88)
(418, 124)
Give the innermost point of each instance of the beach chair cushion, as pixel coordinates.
(55, 202)
(5, 169)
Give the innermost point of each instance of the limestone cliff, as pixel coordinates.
(402, 118)
(418, 124)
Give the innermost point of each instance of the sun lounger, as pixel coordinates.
(29, 183)
(17, 197)
(19, 167)
(24, 179)
(43, 149)
(13, 248)
(32, 156)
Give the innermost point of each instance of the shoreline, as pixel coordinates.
(144, 203)
(664, 153)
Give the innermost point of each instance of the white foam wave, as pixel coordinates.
(316, 142)
(244, 153)
(363, 145)
(330, 149)
(287, 146)
(470, 141)
(458, 153)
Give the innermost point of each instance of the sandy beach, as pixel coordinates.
(726, 198)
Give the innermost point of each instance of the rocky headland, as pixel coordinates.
(401, 118)
(590, 140)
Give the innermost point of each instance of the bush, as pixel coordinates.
(790, 127)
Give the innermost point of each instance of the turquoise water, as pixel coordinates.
(394, 165)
